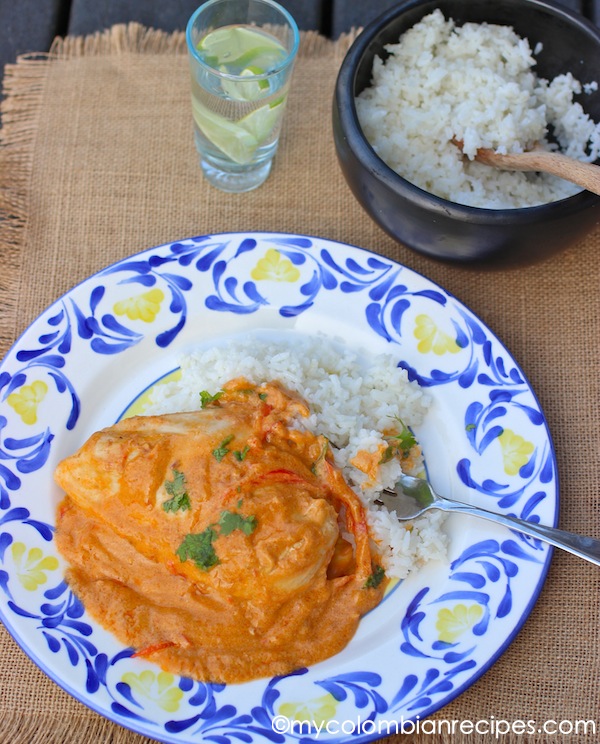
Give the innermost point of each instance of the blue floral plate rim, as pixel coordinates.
(286, 283)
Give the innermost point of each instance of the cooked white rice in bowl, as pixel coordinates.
(353, 400)
(475, 83)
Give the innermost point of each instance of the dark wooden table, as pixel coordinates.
(31, 25)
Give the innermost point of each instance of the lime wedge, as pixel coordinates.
(238, 47)
(267, 57)
(238, 140)
(255, 70)
(261, 121)
(237, 143)
(249, 90)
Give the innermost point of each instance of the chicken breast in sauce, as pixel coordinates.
(221, 544)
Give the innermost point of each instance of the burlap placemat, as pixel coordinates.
(97, 163)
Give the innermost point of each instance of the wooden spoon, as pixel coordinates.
(586, 175)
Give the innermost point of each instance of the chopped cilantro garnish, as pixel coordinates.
(375, 578)
(199, 548)
(406, 439)
(321, 457)
(388, 454)
(263, 396)
(222, 449)
(177, 485)
(177, 490)
(240, 455)
(399, 444)
(206, 398)
(177, 503)
(230, 521)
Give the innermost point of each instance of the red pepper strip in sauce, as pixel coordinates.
(149, 650)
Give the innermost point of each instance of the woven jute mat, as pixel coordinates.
(97, 163)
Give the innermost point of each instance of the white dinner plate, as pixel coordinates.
(83, 362)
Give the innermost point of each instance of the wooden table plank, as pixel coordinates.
(86, 16)
(30, 26)
(593, 11)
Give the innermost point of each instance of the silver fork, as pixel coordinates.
(414, 496)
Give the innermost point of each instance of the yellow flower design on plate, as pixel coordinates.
(159, 688)
(141, 307)
(25, 401)
(317, 711)
(515, 451)
(432, 338)
(32, 565)
(275, 267)
(451, 624)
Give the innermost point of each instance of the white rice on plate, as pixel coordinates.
(475, 83)
(353, 400)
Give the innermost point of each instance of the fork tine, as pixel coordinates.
(405, 506)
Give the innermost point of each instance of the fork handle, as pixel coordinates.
(579, 545)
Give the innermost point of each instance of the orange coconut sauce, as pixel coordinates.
(222, 544)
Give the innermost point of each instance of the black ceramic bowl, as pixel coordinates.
(437, 227)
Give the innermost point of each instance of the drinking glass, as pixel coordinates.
(241, 54)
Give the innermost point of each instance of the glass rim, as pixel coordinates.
(287, 61)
